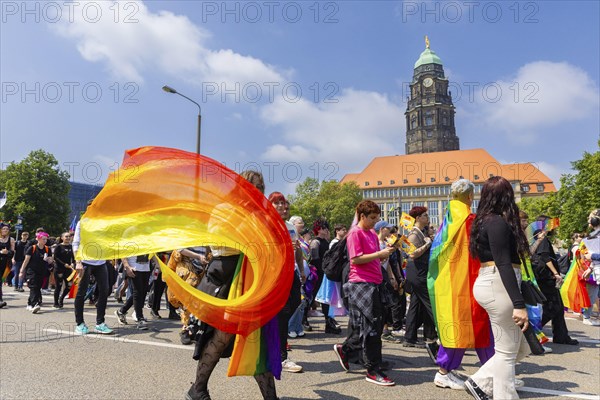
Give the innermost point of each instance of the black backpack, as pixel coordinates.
(334, 261)
(564, 262)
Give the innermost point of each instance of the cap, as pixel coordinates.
(382, 224)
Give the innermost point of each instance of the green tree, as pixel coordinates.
(579, 194)
(332, 200)
(38, 190)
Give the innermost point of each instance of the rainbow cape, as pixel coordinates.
(573, 291)
(163, 199)
(461, 322)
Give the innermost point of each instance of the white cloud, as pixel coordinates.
(541, 94)
(360, 126)
(165, 41)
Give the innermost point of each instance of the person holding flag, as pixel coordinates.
(461, 322)
(7, 249)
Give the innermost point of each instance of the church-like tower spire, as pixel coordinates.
(430, 112)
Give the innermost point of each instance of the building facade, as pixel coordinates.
(433, 159)
(79, 194)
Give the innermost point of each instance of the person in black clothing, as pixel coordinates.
(7, 249)
(18, 259)
(499, 243)
(35, 268)
(419, 312)
(546, 270)
(64, 266)
(318, 248)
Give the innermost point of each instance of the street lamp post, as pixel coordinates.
(169, 89)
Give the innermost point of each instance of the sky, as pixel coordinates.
(295, 89)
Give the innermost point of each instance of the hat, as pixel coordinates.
(382, 224)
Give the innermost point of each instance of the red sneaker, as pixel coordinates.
(339, 352)
(379, 378)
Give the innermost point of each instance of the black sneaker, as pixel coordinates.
(155, 314)
(570, 341)
(339, 352)
(474, 390)
(390, 338)
(432, 350)
(174, 316)
(419, 345)
(2, 304)
(186, 337)
(306, 326)
(379, 378)
(193, 395)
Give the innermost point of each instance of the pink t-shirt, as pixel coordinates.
(360, 242)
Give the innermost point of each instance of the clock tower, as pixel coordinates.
(430, 112)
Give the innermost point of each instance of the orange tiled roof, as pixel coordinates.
(442, 168)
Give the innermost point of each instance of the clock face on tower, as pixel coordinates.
(427, 82)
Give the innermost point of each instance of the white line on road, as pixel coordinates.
(121, 339)
(561, 394)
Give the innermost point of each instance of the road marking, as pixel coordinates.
(559, 393)
(121, 339)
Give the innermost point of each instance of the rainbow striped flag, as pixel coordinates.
(163, 199)
(461, 322)
(573, 291)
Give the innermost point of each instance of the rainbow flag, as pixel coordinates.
(163, 199)
(573, 291)
(258, 352)
(546, 226)
(461, 322)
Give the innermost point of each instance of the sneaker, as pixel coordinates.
(292, 335)
(547, 349)
(519, 383)
(432, 350)
(142, 324)
(81, 329)
(174, 316)
(475, 391)
(193, 395)
(121, 317)
(290, 366)
(306, 326)
(379, 378)
(591, 322)
(134, 316)
(28, 308)
(21, 290)
(56, 306)
(339, 352)
(419, 345)
(103, 329)
(155, 314)
(399, 333)
(448, 381)
(315, 313)
(35, 309)
(2, 304)
(390, 338)
(185, 336)
(301, 334)
(45, 292)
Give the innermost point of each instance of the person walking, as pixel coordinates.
(499, 243)
(35, 268)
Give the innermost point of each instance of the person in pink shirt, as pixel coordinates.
(363, 290)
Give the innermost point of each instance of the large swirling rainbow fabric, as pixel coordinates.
(163, 199)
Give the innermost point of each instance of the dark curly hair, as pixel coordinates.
(498, 197)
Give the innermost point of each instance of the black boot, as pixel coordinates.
(332, 327)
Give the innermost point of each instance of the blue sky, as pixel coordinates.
(83, 81)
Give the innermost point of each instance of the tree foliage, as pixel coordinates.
(578, 195)
(37, 190)
(332, 200)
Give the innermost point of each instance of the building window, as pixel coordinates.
(418, 203)
(428, 118)
(444, 120)
(378, 183)
(540, 187)
(366, 183)
(429, 134)
(474, 206)
(413, 122)
(444, 206)
(392, 182)
(434, 216)
(525, 188)
(405, 207)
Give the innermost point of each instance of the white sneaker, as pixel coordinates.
(315, 313)
(591, 322)
(29, 308)
(35, 309)
(290, 366)
(292, 334)
(399, 333)
(547, 349)
(519, 383)
(448, 381)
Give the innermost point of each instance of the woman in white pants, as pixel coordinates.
(499, 243)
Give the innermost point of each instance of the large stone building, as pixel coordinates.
(433, 159)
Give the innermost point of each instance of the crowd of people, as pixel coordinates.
(387, 291)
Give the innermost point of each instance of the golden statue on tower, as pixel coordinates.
(426, 41)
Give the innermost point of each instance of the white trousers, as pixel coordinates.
(497, 376)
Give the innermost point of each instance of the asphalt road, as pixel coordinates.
(40, 358)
